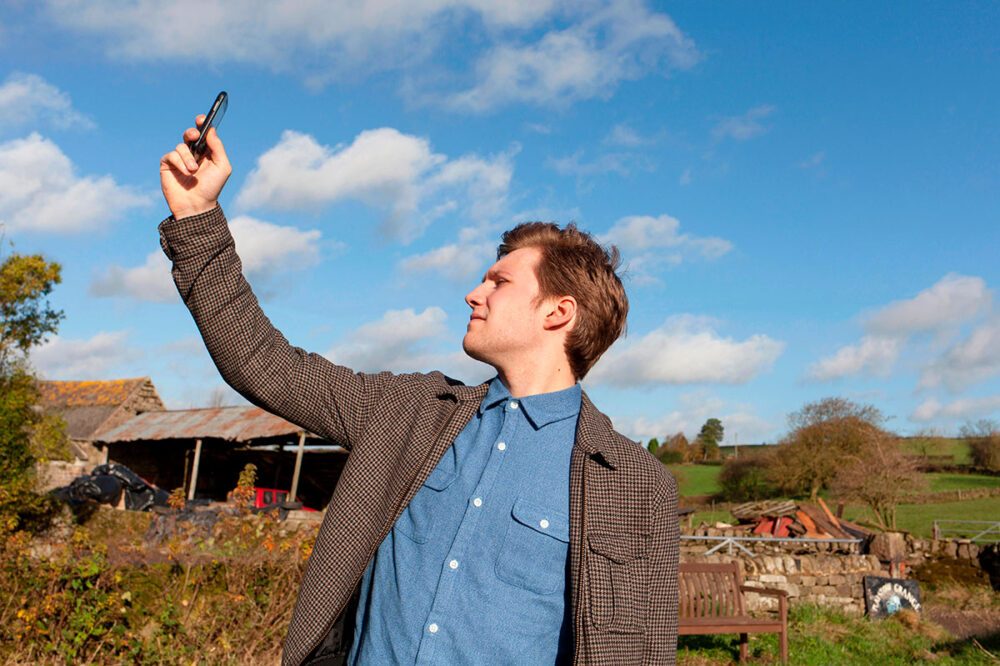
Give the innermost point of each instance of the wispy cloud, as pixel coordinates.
(648, 244)
(748, 126)
(92, 358)
(30, 99)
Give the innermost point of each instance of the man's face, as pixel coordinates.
(507, 316)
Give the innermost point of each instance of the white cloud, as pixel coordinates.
(693, 409)
(953, 300)
(747, 126)
(93, 358)
(873, 354)
(28, 98)
(264, 248)
(394, 342)
(648, 242)
(686, 350)
(396, 173)
(622, 41)
(459, 262)
(585, 49)
(40, 191)
(960, 409)
(968, 361)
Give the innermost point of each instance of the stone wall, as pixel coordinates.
(57, 473)
(829, 580)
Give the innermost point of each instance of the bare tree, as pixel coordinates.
(880, 476)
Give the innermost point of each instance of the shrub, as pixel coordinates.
(747, 478)
(984, 443)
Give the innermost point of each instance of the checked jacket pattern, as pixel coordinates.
(623, 503)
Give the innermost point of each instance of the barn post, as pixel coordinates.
(194, 470)
(298, 466)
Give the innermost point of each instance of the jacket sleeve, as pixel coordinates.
(661, 637)
(252, 355)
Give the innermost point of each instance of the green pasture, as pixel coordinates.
(942, 482)
(696, 479)
(945, 446)
(919, 518)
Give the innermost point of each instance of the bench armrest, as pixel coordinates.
(769, 592)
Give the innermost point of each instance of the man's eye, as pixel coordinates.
(499, 281)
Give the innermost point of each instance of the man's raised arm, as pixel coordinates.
(252, 356)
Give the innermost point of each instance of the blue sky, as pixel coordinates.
(807, 196)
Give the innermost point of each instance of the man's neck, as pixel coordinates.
(532, 380)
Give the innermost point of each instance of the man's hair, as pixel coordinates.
(574, 264)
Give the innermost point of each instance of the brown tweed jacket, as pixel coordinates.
(623, 502)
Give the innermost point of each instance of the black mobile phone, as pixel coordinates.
(212, 119)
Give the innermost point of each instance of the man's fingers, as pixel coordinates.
(218, 151)
(199, 119)
(191, 134)
(185, 153)
(174, 161)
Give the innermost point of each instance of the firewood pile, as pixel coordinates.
(788, 519)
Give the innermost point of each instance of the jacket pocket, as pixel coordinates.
(535, 548)
(417, 520)
(616, 578)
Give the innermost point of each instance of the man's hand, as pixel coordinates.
(191, 188)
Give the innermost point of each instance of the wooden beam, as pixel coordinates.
(194, 471)
(298, 466)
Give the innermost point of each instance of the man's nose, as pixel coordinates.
(474, 298)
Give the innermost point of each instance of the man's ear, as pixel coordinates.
(561, 313)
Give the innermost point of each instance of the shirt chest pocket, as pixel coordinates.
(535, 548)
(418, 518)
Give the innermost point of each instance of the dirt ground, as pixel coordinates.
(964, 623)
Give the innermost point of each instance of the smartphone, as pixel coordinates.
(212, 119)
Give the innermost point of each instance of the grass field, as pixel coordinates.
(696, 479)
(946, 446)
(919, 518)
(819, 636)
(940, 482)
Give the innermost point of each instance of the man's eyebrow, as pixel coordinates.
(493, 274)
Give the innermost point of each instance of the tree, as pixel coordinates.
(748, 478)
(710, 437)
(653, 446)
(25, 433)
(823, 434)
(984, 443)
(878, 475)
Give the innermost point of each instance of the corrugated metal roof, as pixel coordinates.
(235, 424)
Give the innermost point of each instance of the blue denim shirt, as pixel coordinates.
(475, 569)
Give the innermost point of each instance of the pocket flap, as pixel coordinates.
(542, 520)
(441, 478)
(617, 547)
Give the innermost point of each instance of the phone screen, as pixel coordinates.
(212, 119)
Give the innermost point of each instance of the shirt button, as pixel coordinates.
(544, 523)
(433, 628)
(502, 446)
(513, 404)
(453, 564)
(477, 502)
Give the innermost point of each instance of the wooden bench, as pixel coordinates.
(711, 602)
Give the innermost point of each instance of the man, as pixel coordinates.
(501, 523)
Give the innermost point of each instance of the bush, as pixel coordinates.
(747, 479)
(984, 447)
(670, 456)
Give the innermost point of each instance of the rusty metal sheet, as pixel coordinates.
(235, 424)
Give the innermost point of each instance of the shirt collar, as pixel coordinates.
(541, 409)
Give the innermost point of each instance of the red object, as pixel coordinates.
(267, 496)
(765, 526)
